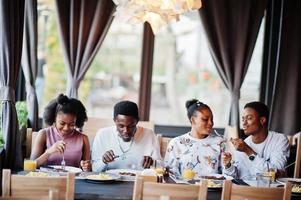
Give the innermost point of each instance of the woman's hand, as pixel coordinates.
(147, 161)
(58, 147)
(226, 159)
(86, 165)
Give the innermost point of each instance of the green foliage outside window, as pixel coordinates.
(22, 114)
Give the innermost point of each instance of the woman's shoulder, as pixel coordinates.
(181, 138)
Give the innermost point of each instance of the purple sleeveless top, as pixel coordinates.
(74, 147)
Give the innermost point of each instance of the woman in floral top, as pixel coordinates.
(198, 149)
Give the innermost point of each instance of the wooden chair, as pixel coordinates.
(163, 191)
(30, 140)
(18, 186)
(94, 124)
(163, 142)
(238, 192)
(297, 170)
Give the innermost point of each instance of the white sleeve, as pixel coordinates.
(279, 152)
(97, 152)
(156, 148)
(171, 159)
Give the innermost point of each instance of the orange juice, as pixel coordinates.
(188, 174)
(30, 165)
(272, 174)
(160, 170)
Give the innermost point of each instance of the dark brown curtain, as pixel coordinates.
(270, 50)
(146, 72)
(11, 35)
(286, 102)
(231, 27)
(83, 27)
(29, 61)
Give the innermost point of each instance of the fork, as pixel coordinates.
(63, 163)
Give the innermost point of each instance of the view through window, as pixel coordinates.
(183, 69)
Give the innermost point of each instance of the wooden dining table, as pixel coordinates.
(122, 190)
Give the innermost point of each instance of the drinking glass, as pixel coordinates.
(159, 167)
(30, 165)
(188, 173)
(263, 180)
(272, 173)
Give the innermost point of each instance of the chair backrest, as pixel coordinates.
(163, 142)
(297, 171)
(16, 186)
(28, 142)
(94, 124)
(238, 192)
(151, 190)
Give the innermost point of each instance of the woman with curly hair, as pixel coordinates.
(61, 140)
(198, 150)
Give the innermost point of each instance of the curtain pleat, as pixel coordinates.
(83, 26)
(286, 107)
(232, 27)
(11, 36)
(29, 61)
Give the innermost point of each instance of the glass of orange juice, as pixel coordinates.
(272, 173)
(188, 173)
(30, 165)
(159, 167)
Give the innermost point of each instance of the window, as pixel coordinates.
(183, 69)
(115, 72)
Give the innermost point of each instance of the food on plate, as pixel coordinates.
(53, 169)
(214, 177)
(213, 184)
(296, 188)
(100, 176)
(37, 174)
(127, 174)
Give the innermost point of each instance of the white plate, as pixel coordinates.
(293, 180)
(102, 177)
(125, 174)
(58, 168)
(216, 177)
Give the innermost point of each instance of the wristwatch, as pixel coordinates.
(252, 156)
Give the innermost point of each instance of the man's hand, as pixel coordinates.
(86, 165)
(108, 157)
(147, 161)
(240, 145)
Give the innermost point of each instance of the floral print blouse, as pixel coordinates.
(200, 155)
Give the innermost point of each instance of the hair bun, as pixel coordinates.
(190, 102)
(62, 99)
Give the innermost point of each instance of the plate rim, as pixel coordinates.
(114, 177)
(79, 170)
(283, 180)
(124, 177)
